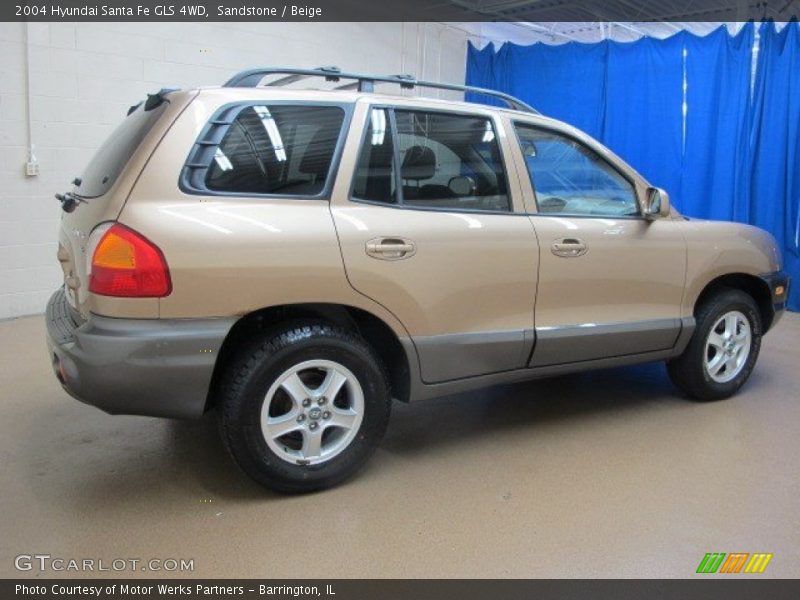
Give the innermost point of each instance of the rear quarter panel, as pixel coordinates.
(76, 227)
(233, 255)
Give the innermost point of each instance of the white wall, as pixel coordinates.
(83, 77)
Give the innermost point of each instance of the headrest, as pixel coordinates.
(319, 153)
(418, 163)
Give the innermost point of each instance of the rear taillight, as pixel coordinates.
(128, 265)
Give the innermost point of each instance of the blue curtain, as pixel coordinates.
(564, 82)
(574, 76)
(775, 186)
(730, 158)
(483, 71)
(643, 118)
(716, 158)
(609, 90)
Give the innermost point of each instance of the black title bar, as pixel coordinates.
(705, 588)
(400, 10)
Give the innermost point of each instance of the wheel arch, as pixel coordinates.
(754, 286)
(378, 334)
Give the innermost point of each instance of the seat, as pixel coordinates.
(419, 164)
(318, 157)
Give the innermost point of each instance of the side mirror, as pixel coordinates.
(656, 203)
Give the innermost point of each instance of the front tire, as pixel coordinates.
(723, 349)
(305, 408)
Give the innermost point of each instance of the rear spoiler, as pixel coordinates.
(153, 100)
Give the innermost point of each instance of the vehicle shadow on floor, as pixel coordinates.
(418, 429)
(137, 459)
(532, 406)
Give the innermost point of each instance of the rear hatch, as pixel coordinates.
(99, 194)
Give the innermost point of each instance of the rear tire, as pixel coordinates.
(305, 408)
(723, 349)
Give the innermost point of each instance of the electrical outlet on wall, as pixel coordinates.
(32, 166)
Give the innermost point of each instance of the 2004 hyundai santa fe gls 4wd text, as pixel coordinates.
(296, 259)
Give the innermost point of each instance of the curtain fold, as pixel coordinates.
(483, 71)
(574, 76)
(643, 118)
(715, 175)
(775, 186)
(564, 82)
(734, 155)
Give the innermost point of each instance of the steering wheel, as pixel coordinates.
(551, 204)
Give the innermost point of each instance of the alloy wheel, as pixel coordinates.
(728, 346)
(312, 412)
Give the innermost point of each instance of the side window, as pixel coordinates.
(442, 161)
(375, 175)
(276, 149)
(450, 161)
(571, 179)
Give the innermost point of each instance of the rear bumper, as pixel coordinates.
(154, 367)
(776, 281)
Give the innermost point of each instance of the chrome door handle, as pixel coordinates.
(391, 248)
(569, 247)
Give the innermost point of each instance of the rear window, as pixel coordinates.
(284, 150)
(111, 158)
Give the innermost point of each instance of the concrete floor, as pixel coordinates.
(608, 474)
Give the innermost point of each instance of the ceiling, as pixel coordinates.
(588, 32)
(560, 21)
(627, 10)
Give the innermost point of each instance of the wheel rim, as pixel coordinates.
(728, 346)
(312, 412)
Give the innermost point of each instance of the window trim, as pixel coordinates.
(400, 204)
(516, 125)
(218, 125)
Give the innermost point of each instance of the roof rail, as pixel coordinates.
(362, 82)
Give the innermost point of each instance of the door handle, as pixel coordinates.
(569, 247)
(391, 248)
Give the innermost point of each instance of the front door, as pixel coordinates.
(429, 229)
(610, 281)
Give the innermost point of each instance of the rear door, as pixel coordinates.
(432, 228)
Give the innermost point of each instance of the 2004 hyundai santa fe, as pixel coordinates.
(299, 258)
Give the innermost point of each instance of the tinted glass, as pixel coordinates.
(450, 161)
(571, 179)
(375, 175)
(113, 155)
(285, 150)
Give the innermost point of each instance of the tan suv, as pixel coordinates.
(298, 258)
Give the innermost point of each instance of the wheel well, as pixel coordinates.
(756, 287)
(374, 330)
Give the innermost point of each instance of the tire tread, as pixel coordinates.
(687, 371)
(245, 367)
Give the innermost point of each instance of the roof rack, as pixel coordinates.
(362, 82)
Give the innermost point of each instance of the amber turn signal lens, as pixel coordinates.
(114, 252)
(779, 290)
